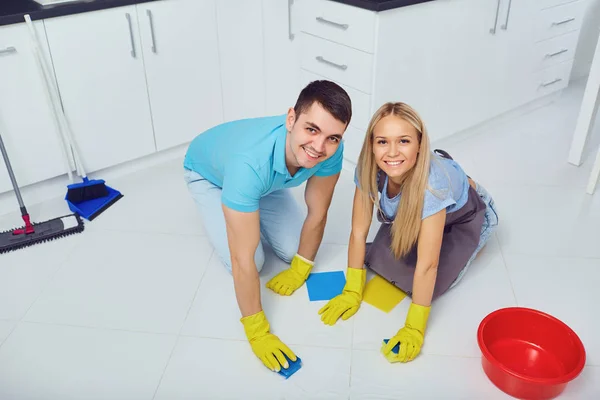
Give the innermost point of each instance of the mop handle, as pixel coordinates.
(52, 91)
(61, 136)
(11, 174)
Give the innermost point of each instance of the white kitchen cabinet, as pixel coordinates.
(458, 73)
(282, 54)
(181, 55)
(99, 67)
(26, 120)
(241, 49)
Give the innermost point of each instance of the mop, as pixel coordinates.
(88, 198)
(33, 233)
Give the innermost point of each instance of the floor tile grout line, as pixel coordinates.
(351, 356)
(183, 324)
(546, 255)
(162, 375)
(97, 328)
(512, 286)
(52, 277)
(141, 231)
(9, 334)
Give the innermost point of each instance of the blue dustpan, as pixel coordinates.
(90, 209)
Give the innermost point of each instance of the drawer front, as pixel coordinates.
(361, 102)
(560, 20)
(339, 63)
(340, 23)
(353, 141)
(543, 4)
(552, 79)
(556, 50)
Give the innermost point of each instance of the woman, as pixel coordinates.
(435, 219)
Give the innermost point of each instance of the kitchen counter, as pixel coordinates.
(381, 5)
(13, 11)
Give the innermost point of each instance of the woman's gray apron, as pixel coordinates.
(462, 232)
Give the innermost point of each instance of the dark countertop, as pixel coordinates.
(381, 5)
(13, 11)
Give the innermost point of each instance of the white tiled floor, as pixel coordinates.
(139, 307)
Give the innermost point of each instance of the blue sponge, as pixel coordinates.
(293, 367)
(396, 348)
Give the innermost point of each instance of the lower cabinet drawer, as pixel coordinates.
(353, 141)
(551, 79)
(339, 63)
(555, 51)
(560, 20)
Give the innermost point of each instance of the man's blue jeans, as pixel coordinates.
(281, 220)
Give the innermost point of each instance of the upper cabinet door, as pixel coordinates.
(282, 54)
(27, 123)
(242, 58)
(181, 54)
(99, 66)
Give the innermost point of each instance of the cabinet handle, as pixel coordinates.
(128, 16)
(151, 20)
(566, 21)
(339, 66)
(551, 82)
(550, 55)
(8, 50)
(290, 34)
(493, 30)
(505, 26)
(337, 25)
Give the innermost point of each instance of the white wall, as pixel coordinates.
(587, 41)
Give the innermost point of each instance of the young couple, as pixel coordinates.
(435, 219)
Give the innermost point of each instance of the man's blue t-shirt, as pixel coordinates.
(448, 187)
(246, 158)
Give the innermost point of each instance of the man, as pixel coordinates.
(239, 174)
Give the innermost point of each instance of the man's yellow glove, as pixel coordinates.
(267, 347)
(347, 303)
(410, 337)
(286, 282)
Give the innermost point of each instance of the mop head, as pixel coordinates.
(42, 232)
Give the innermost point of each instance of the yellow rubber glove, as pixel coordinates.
(347, 303)
(410, 337)
(286, 282)
(267, 347)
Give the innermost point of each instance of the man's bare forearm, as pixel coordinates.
(311, 236)
(247, 287)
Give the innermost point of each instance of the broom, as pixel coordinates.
(33, 233)
(90, 197)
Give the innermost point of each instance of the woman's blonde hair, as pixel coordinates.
(406, 225)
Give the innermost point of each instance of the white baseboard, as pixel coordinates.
(57, 187)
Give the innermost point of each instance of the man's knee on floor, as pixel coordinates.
(287, 248)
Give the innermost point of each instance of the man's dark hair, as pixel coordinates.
(331, 96)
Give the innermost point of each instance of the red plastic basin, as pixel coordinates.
(529, 354)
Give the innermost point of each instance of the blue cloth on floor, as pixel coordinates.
(325, 285)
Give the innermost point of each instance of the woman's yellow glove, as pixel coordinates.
(347, 303)
(410, 337)
(267, 347)
(288, 281)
